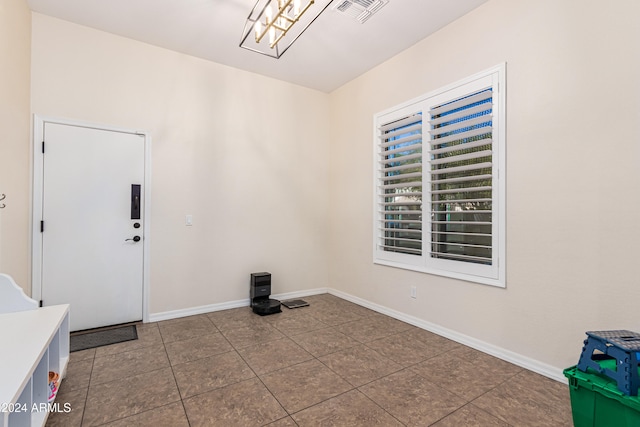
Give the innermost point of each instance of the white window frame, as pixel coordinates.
(493, 274)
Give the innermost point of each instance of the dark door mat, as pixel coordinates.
(100, 338)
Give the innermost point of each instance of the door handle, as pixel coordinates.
(134, 238)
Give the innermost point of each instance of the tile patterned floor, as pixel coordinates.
(333, 363)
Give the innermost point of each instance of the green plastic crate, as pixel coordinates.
(597, 402)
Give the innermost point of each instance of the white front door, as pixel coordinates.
(92, 224)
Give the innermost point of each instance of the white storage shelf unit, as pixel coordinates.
(34, 342)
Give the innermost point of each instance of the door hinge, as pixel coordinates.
(41, 226)
(40, 303)
(42, 147)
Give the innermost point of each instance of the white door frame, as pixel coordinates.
(38, 192)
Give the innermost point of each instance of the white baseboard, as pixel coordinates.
(501, 353)
(175, 314)
(300, 294)
(192, 311)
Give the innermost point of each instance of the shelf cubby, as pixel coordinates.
(37, 341)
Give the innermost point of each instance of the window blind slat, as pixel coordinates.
(436, 180)
(402, 159)
(403, 203)
(480, 96)
(413, 194)
(415, 138)
(463, 113)
(401, 239)
(447, 129)
(412, 184)
(401, 168)
(483, 165)
(460, 136)
(461, 223)
(450, 255)
(462, 190)
(465, 146)
(465, 245)
(403, 176)
(409, 120)
(400, 221)
(460, 201)
(393, 134)
(406, 148)
(454, 233)
(461, 157)
(391, 215)
(466, 212)
(401, 250)
(404, 230)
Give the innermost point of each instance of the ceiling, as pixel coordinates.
(334, 50)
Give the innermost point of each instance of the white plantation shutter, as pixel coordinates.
(461, 178)
(439, 191)
(400, 186)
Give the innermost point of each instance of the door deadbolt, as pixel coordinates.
(134, 238)
(136, 225)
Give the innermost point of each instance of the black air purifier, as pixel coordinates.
(260, 289)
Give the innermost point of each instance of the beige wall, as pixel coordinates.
(244, 154)
(573, 168)
(15, 57)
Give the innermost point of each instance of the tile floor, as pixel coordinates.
(333, 363)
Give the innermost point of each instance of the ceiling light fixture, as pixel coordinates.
(274, 25)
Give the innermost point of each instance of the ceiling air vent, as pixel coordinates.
(360, 10)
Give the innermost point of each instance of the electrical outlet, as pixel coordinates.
(414, 292)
